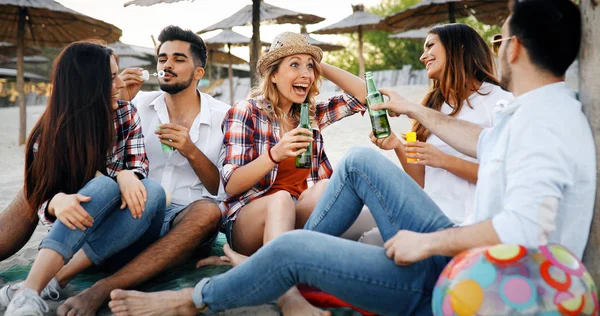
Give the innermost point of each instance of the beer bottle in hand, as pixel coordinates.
(379, 119)
(304, 160)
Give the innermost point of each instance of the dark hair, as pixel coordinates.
(72, 138)
(468, 61)
(550, 30)
(197, 46)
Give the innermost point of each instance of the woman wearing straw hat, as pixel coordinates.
(267, 194)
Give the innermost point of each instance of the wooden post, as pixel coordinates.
(21, 76)
(589, 95)
(451, 15)
(255, 43)
(230, 74)
(361, 57)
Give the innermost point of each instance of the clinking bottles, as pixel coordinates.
(304, 160)
(379, 119)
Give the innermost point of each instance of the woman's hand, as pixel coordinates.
(426, 154)
(68, 210)
(388, 143)
(133, 192)
(132, 77)
(396, 105)
(292, 144)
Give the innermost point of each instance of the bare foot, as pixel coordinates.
(131, 303)
(86, 303)
(293, 303)
(230, 258)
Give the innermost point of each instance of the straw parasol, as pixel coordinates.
(326, 47)
(45, 22)
(260, 11)
(228, 38)
(146, 3)
(430, 12)
(419, 34)
(31, 59)
(8, 49)
(358, 22)
(123, 49)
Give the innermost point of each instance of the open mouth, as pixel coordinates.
(429, 63)
(300, 88)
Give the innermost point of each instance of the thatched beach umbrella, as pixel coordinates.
(45, 22)
(228, 38)
(146, 3)
(260, 11)
(123, 49)
(420, 34)
(8, 50)
(326, 47)
(430, 12)
(358, 22)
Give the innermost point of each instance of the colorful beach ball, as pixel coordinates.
(511, 280)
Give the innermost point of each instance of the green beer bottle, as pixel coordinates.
(379, 119)
(304, 160)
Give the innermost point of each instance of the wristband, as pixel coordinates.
(271, 157)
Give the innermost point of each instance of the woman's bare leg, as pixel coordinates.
(307, 201)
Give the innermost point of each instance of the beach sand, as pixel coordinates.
(339, 137)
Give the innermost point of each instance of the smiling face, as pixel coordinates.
(117, 83)
(175, 58)
(294, 78)
(434, 57)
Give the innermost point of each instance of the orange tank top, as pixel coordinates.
(289, 178)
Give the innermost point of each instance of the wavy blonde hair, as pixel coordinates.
(269, 90)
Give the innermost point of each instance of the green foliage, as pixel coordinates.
(382, 52)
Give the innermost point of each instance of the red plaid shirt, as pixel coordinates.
(129, 152)
(248, 133)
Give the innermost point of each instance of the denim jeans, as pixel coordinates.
(359, 274)
(114, 229)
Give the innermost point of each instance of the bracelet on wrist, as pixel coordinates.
(271, 157)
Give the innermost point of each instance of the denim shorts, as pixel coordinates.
(171, 213)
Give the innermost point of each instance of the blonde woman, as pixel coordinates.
(267, 194)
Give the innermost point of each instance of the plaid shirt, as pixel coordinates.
(129, 152)
(248, 133)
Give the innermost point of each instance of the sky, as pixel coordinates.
(138, 23)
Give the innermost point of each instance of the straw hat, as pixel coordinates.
(286, 44)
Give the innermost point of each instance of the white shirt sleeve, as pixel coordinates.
(537, 173)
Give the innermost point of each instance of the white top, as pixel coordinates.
(537, 171)
(171, 169)
(456, 196)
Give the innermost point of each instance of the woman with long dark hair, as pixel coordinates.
(85, 166)
(464, 85)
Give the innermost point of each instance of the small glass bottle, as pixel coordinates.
(304, 160)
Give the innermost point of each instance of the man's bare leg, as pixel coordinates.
(196, 225)
(17, 224)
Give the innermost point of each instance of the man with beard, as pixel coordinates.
(189, 123)
(536, 185)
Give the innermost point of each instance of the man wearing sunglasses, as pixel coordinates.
(536, 185)
(537, 178)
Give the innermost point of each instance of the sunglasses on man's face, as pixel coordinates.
(497, 41)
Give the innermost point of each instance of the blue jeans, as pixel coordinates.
(114, 229)
(357, 273)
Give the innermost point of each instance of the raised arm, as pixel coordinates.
(459, 134)
(345, 80)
